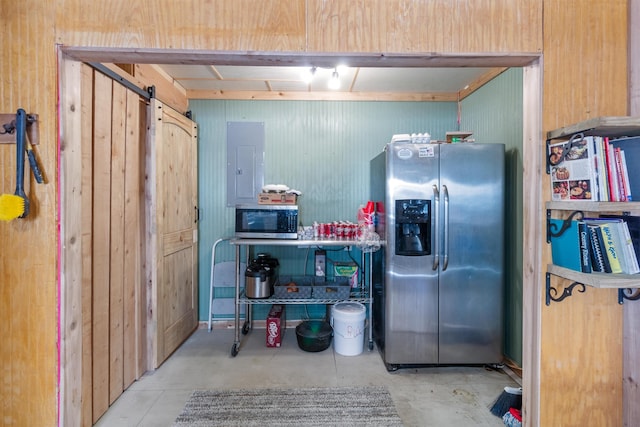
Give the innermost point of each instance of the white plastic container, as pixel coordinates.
(347, 320)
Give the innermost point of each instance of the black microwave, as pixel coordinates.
(267, 221)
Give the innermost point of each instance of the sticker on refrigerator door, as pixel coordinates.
(405, 153)
(426, 152)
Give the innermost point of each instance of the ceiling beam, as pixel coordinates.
(200, 57)
(321, 96)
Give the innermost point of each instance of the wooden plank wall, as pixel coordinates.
(28, 254)
(585, 76)
(299, 26)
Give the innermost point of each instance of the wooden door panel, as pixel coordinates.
(177, 241)
(179, 307)
(176, 167)
(133, 327)
(101, 252)
(116, 243)
(172, 195)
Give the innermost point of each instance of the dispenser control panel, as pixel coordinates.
(413, 227)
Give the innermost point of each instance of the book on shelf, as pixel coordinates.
(573, 170)
(601, 160)
(612, 245)
(630, 152)
(599, 259)
(630, 229)
(585, 246)
(567, 249)
(633, 265)
(612, 174)
(622, 185)
(625, 176)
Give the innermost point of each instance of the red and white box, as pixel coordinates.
(277, 199)
(276, 321)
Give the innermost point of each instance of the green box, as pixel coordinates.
(348, 270)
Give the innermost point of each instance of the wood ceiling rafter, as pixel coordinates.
(355, 79)
(481, 81)
(215, 72)
(321, 96)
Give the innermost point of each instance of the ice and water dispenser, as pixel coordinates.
(413, 227)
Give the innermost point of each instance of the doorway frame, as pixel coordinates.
(69, 125)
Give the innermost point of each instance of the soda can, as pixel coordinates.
(326, 230)
(353, 229)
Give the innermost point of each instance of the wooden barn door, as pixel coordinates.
(172, 199)
(114, 337)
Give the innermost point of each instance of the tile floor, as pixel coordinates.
(432, 396)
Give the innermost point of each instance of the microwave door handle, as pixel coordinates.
(445, 261)
(436, 198)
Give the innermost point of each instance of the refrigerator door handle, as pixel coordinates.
(445, 261)
(436, 198)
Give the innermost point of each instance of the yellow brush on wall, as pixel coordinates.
(16, 205)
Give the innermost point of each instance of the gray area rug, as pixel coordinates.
(348, 406)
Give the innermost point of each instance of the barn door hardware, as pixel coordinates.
(146, 94)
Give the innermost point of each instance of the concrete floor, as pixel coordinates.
(433, 396)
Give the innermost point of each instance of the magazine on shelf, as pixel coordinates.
(573, 170)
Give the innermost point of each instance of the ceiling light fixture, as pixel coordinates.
(334, 82)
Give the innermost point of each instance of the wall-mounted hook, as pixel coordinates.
(8, 126)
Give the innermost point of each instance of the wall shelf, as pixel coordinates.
(613, 127)
(587, 206)
(628, 285)
(597, 280)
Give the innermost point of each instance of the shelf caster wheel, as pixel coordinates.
(234, 349)
(245, 328)
(391, 367)
(370, 345)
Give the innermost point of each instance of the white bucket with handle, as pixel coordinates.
(347, 320)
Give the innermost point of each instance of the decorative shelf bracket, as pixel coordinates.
(567, 292)
(628, 294)
(554, 159)
(565, 225)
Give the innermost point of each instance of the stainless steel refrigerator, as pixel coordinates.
(438, 281)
